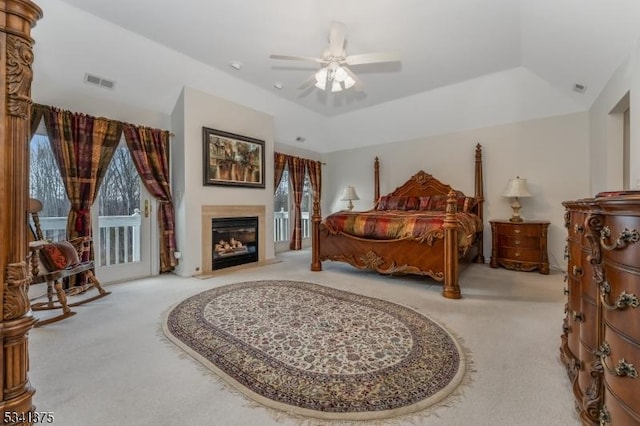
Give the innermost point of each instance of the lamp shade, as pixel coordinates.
(517, 188)
(349, 194)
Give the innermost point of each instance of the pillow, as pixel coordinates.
(60, 255)
(424, 202)
(388, 202)
(392, 202)
(439, 203)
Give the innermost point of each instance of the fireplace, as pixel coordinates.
(234, 241)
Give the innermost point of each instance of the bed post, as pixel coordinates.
(376, 180)
(480, 197)
(316, 265)
(451, 289)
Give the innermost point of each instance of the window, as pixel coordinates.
(45, 184)
(281, 209)
(306, 207)
(283, 206)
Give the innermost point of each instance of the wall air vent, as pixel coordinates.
(99, 81)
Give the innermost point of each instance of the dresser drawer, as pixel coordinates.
(576, 227)
(616, 412)
(588, 323)
(623, 355)
(624, 293)
(619, 239)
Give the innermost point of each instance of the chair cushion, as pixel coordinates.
(59, 255)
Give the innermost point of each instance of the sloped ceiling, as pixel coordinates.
(534, 50)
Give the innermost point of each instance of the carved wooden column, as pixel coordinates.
(316, 218)
(17, 17)
(451, 288)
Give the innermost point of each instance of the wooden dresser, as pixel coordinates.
(600, 342)
(521, 246)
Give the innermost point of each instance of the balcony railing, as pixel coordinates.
(119, 237)
(281, 225)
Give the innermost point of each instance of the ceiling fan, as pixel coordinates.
(335, 74)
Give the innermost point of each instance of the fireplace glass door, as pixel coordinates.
(234, 240)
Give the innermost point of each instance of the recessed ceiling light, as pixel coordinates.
(278, 85)
(235, 65)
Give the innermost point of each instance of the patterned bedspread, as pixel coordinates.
(423, 226)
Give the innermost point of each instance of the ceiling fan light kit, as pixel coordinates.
(334, 74)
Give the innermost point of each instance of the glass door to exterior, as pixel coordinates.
(122, 222)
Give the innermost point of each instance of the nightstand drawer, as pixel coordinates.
(518, 230)
(520, 242)
(519, 254)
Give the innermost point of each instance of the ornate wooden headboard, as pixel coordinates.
(422, 183)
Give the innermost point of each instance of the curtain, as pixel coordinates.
(314, 168)
(280, 161)
(150, 153)
(36, 116)
(83, 147)
(296, 174)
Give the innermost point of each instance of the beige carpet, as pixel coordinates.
(111, 364)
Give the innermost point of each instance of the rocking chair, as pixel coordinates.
(52, 262)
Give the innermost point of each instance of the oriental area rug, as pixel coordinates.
(319, 352)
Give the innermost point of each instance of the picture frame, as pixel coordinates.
(232, 160)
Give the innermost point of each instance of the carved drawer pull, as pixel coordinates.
(565, 291)
(626, 237)
(578, 229)
(577, 271)
(604, 416)
(625, 300)
(516, 242)
(577, 316)
(623, 368)
(516, 231)
(517, 254)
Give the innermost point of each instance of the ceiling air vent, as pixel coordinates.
(580, 88)
(99, 81)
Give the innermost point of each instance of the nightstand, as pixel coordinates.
(521, 246)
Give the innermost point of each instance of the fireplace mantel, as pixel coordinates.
(210, 212)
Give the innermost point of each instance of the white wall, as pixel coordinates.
(552, 153)
(606, 132)
(195, 110)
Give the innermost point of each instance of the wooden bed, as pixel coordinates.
(437, 257)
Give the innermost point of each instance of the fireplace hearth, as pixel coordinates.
(234, 241)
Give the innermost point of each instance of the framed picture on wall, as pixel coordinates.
(232, 160)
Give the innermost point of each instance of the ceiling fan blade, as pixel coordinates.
(337, 34)
(358, 84)
(372, 58)
(297, 58)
